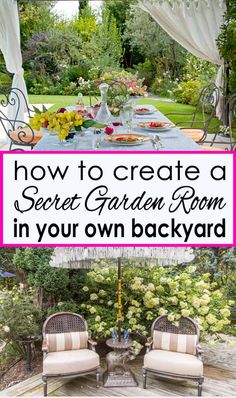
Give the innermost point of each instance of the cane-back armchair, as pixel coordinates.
(174, 352)
(19, 132)
(68, 351)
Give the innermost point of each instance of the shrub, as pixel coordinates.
(188, 92)
(164, 85)
(151, 291)
(67, 306)
(227, 42)
(75, 72)
(198, 69)
(146, 71)
(18, 316)
(5, 82)
(51, 283)
(230, 290)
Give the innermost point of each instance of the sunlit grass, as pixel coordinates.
(163, 106)
(58, 101)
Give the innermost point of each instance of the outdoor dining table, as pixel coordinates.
(172, 139)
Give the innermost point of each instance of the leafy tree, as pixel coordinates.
(49, 52)
(6, 258)
(83, 4)
(230, 292)
(218, 262)
(35, 17)
(227, 42)
(18, 316)
(107, 42)
(50, 283)
(85, 24)
(153, 43)
(120, 10)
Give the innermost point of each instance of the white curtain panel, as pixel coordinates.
(11, 49)
(195, 24)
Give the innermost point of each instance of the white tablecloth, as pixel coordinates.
(172, 139)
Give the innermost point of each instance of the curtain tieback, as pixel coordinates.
(20, 72)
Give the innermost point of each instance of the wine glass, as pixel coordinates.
(126, 116)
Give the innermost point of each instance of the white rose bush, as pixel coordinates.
(148, 292)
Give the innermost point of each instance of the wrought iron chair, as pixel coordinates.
(18, 131)
(226, 127)
(68, 351)
(206, 106)
(173, 351)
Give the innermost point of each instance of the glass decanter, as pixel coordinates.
(103, 115)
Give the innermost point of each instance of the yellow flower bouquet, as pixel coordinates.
(61, 122)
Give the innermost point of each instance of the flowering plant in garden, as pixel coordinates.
(88, 87)
(18, 316)
(134, 85)
(60, 122)
(149, 292)
(122, 86)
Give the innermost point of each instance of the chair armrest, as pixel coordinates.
(199, 351)
(92, 344)
(44, 346)
(149, 341)
(148, 344)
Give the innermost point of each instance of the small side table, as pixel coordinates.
(27, 343)
(118, 373)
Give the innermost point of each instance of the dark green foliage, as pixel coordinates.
(67, 306)
(35, 17)
(230, 292)
(51, 282)
(227, 42)
(153, 44)
(219, 262)
(83, 4)
(6, 258)
(29, 259)
(18, 316)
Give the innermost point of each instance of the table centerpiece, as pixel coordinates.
(63, 123)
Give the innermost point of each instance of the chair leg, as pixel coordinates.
(144, 379)
(97, 377)
(45, 387)
(200, 383)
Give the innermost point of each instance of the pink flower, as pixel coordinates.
(109, 130)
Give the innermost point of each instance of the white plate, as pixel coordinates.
(141, 138)
(150, 111)
(148, 106)
(144, 113)
(156, 129)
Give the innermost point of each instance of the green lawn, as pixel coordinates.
(163, 106)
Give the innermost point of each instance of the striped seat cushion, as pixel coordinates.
(66, 341)
(185, 343)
